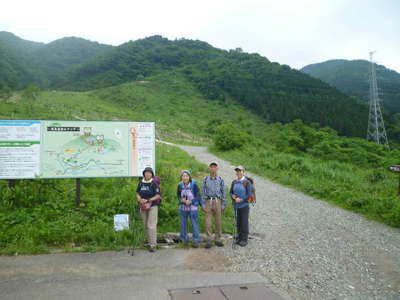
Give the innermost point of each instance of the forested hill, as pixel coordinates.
(275, 92)
(352, 77)
(24, 62)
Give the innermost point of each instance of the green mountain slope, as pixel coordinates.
(352, 77)
(24, 62)
(57, 57)
(17, 68)
(275, 92)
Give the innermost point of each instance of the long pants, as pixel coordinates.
(150, 218)
(194, 220)
(213, 209)
(242, 223)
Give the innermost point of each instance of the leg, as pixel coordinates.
(183, 217)
(218, 221)
(208, 220)
(245, 223)
(239, 224)
(144, 214)
(152, 225)
(194, 219)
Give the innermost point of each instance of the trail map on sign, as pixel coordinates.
(87, 149)
(75, 149)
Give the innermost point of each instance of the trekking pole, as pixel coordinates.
(131, 249)
(187, 226)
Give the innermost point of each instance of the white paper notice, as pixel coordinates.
(19, 149)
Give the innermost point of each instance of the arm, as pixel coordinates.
(178, 194)
(156, 190)
(155, 198)
(233, 196)
(223, 204)
(197, 195)
(203, 192)
(138, 197)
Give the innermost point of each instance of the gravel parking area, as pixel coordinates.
(311, 249)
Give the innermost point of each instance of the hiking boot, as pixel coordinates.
(219, 243)
(208, 245)
(195, 245)
(242, 243)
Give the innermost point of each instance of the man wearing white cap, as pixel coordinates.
(240, 192)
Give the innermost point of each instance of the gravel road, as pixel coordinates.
(311, 249)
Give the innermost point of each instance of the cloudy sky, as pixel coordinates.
(296, 32)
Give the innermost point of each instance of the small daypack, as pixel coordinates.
(252, 199)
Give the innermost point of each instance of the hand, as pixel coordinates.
(237, 199)
(188, 202)
(142, 201)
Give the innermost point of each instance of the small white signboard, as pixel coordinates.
(121, 222)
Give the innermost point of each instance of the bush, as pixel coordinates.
(228, 137)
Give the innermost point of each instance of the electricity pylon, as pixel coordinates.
(376, 128)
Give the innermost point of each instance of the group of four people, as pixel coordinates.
(211, 199)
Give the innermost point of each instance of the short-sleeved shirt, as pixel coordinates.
(147, 190)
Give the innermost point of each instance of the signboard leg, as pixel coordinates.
(78, 193)
(398, 190)
(11, 183)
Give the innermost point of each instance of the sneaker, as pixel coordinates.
(208, 245)
(219, 243)
(195, 245)
(152, 249)
(242, 243)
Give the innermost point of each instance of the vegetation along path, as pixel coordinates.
(311, 249)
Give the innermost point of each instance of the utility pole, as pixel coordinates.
(376, 128)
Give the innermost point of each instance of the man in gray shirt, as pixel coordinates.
(213, 203)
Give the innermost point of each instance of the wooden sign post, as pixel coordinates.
(396, 169)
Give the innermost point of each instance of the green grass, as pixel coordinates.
(40, 214)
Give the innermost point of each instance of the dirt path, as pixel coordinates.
(313, 250)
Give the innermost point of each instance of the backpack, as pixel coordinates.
(157, 180)
(252, 199)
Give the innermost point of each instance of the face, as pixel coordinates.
(185, 178)
(239, 173)
(148, 175)
(213, 169)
